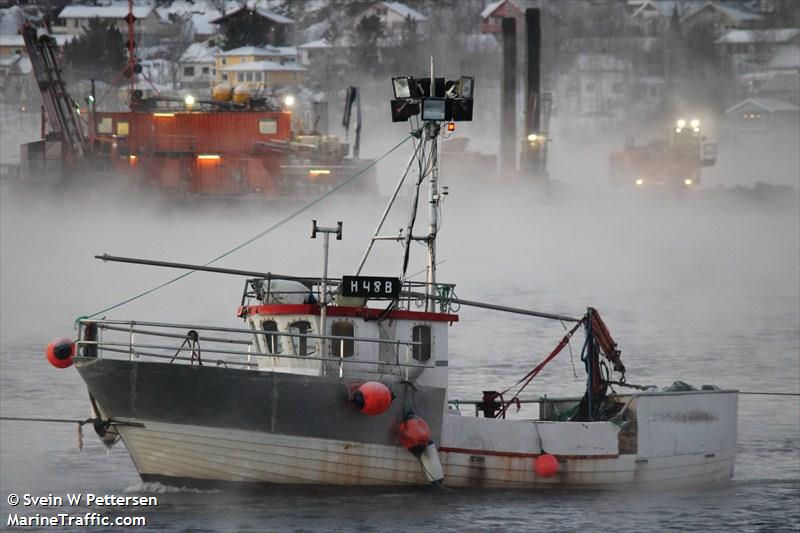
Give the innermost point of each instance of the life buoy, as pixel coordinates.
(60, 352)
(372, 398)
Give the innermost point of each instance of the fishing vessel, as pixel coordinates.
(344, 380)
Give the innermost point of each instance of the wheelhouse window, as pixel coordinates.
(271, 338)
(104, 126)
(301, 344)
(422, 334)
(267, 126)
(342, 347)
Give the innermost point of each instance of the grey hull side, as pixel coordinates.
(272, 402)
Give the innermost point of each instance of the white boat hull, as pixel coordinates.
(183, 454)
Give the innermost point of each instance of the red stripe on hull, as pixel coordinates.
(360, 312)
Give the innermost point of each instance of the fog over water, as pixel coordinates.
(702, 288)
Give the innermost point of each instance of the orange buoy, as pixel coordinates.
(414, 434)
(60, 352)
(372, 398)
(546, 465)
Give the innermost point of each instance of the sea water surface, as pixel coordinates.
(702, 289)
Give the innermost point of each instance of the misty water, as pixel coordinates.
(701, 288)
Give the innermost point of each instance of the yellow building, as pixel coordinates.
(281, 60)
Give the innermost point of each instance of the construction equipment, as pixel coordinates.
(673, 162)
(60, 151)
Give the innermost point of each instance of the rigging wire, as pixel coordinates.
(259, 235)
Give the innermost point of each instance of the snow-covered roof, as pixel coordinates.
(405, 11)
(735, 12)
(250, 7)
(262, 66)
(104, 12)
(489, 9)
(283, 51)
(788, 82)
(319, 43)
(16, 62)
(777, 35)
(786, 57)
(17, 40)
(199, 53)
(202, 13)
(768, 104)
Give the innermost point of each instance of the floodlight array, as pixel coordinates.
(438, 101)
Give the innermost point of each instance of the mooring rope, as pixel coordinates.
(259, 235)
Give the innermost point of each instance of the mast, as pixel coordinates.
(433, 129)
(433, 102)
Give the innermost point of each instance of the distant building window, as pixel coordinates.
(104, 126)
(240, 76)
(616, 87)
(188, 72)
(301, 344)
(123, 128)
(422, 334)
(342, 347)
(224, 77)
(271, 339)
(267, 126)
(205, 70)
(224, 61)
(248, 76)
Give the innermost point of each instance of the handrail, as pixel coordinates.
(107, 346)
(102, 322)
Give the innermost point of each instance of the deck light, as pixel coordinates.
(209, 157)
(695, 123)
(451, 126)
(288, 100)
(314, 172)
(438, 100)
(639, 181)
(163, 115)
(681, 123)
(688, 181)
(189, 101)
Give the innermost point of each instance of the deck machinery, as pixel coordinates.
(192, 147)
(673, 162)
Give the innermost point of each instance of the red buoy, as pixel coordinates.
(546, 465)
(60, 352)
(414, 434)
(372, 398)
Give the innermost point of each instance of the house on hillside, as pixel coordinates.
(265, 66)
(276, 29)
(749, 51)
(196, 66)
(263, 74)
(311, 51)
(493, 14)
(393, 16)
(200, 12)
(721, 16)
(656, 16)
(597, 85)
(759, 115)
(14, 44)
(149, 27)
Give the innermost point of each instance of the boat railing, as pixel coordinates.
(412, 293)
(225, 346)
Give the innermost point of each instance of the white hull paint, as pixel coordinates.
(196, 453)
